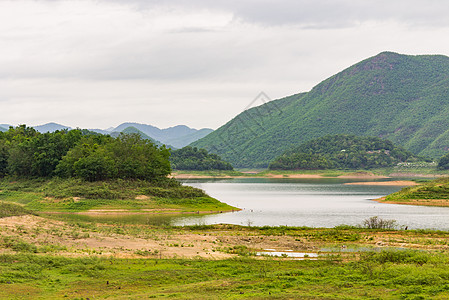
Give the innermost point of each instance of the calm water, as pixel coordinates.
(310, 202)
(294, 202)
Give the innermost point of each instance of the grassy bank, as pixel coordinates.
(77, 195)
(431, 193)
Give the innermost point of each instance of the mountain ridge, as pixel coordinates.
(403, 98)
(176, 136)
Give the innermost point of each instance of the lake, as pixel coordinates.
(326, 202)
(309, 202)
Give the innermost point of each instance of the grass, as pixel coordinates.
(76, 195)
(12, 209)
(435, 189)
(384, 275)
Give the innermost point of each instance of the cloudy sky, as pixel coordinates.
(96, 64)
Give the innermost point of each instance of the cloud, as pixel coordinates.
(97, 63)
(317, 13)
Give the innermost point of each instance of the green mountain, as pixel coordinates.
(342, 151)
(402, 98)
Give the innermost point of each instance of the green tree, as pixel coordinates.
(443, 163)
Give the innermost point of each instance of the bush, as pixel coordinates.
(379, 223)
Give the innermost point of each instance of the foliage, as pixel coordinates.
(11, 209)
(443, 163)
(397, 97)
(435, 189)
(76, 153)
(189, 158)
(342, 152)
(76, 194)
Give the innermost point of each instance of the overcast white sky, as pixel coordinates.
(96, 64)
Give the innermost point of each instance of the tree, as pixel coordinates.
(443, 163)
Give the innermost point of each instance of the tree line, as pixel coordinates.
(24, 152)
(192, 158)
(343, 152)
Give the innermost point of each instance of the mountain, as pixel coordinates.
(402, 98)
(177, 136)
(3, 129)
(182, 141)
(131, 129)
(50, 127)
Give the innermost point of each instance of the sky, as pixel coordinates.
(99, 63)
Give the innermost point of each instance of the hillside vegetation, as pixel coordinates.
(76, 171)
(342, 152)
(401, 98)
(434, 190)
(195, 159)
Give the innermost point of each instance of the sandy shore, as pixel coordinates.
(396, 183)
(357, 175)
(95, 212)
(420, 202)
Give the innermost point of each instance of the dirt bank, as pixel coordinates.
(396, 182)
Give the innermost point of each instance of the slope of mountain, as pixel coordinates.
(3, 129)
(50, 127)
(402, 98)
(178, 136)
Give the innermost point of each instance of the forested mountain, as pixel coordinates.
(342, 152)
(401, 98)
(189, 158)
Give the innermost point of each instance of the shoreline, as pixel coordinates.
(141, 212)
(417, 202)
(387, 183)
(354, 175)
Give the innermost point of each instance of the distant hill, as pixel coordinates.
(50, 127)
(177, 136)
(174, 137)
(343, 152)
(182, 141)
(401, 98)
(131, 129)
(5, 127)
